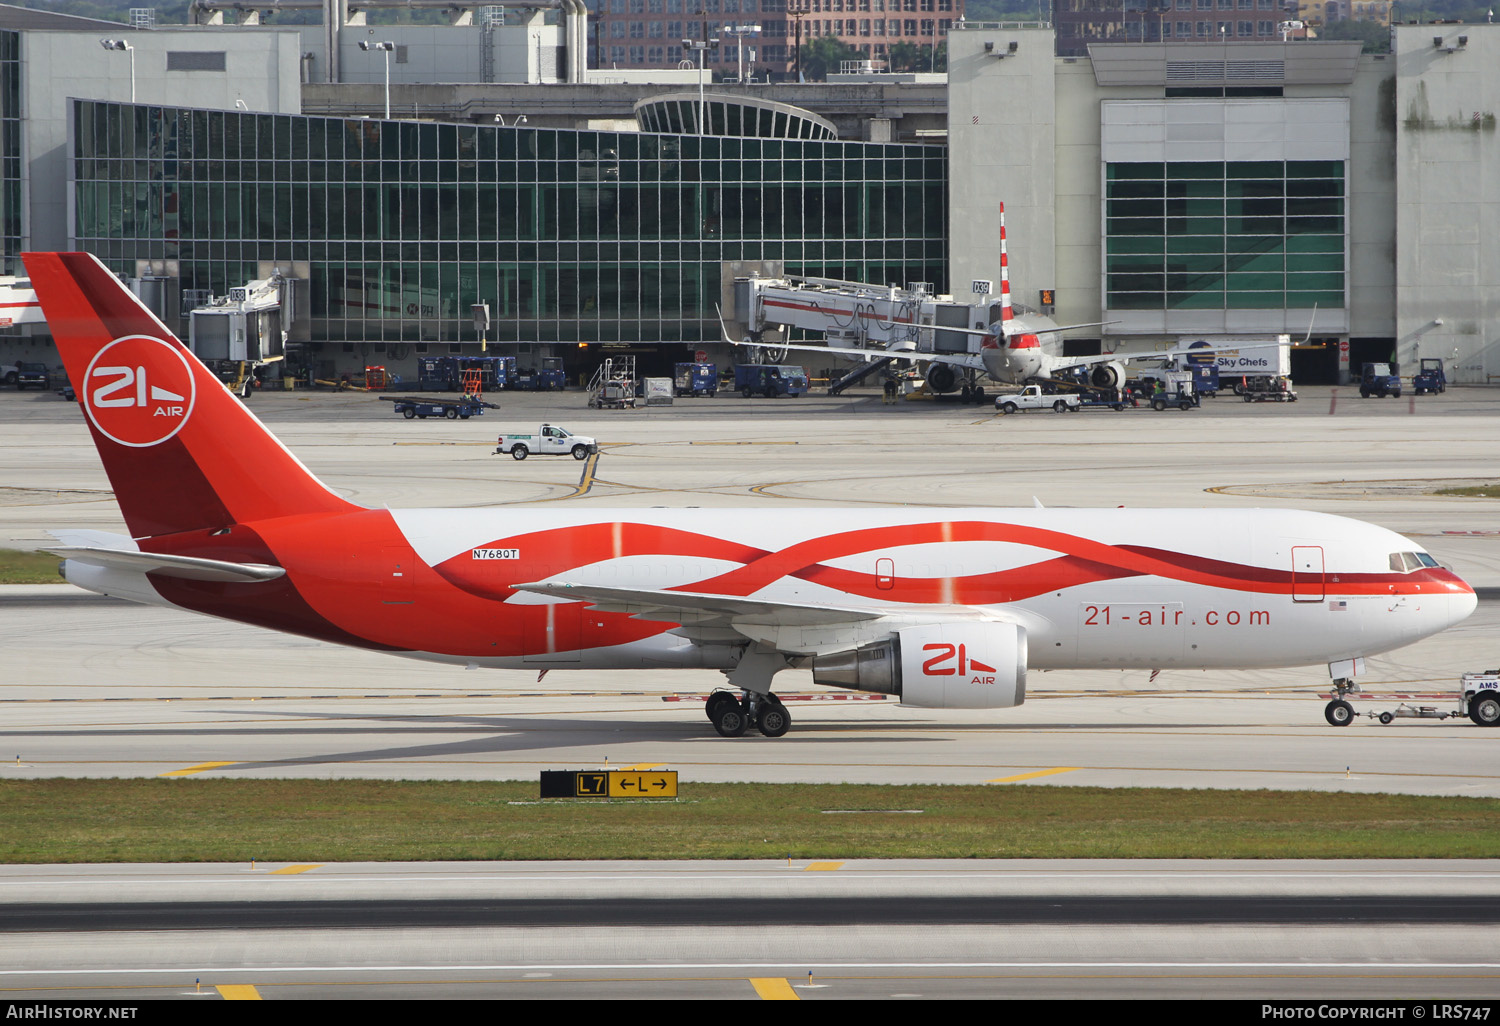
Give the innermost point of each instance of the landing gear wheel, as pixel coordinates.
(1339, 713)
(1485, 710)
(716, 701)
(731, 719)
(773, 720)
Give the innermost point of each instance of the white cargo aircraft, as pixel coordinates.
(944, 608)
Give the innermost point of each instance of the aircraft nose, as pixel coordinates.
(1461, 604)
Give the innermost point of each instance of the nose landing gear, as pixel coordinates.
(1339, 713)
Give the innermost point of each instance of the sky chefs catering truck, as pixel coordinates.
(1254, 361)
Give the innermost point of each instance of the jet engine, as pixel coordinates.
(940, 666)
(1108, 375)
(943, 377)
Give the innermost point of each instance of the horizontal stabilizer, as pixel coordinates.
(191, 568)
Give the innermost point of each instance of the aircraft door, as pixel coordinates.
(1307, 573)
(885, 573)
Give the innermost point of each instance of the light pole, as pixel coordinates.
(739, 32)
(120, 44)
(698, 48)
(387, 46)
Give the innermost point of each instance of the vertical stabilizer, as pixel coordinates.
(181, 452)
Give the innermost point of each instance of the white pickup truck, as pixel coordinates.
(1033, 398)
(547, 440)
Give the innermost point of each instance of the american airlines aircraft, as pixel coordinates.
(944, 608)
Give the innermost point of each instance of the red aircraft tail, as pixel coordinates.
(181, 451)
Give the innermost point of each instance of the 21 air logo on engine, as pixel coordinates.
(139, 391)
(954, 660)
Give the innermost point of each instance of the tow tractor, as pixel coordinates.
(421, 407)
(1478, 699)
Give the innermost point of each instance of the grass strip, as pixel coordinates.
(221, 820)
(18, 566)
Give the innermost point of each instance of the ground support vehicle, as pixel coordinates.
(1102, 404)
(694, 379)
(616, 394)
(549, 377)
(1478, 699)
(29, 375)
(1169, 389)
(1380, 380)
(420, 407)
(1033, 398)
(547, 440)
(769, 379)
(1277, 390)
(1430, 378)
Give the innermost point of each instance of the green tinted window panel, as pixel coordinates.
(1134, 244)
(1196, 169)
(1315, 282)
(1195, 226)
(1195, 244)
(1135, 282)
(1315, 262)
(1135, 189)
(1132, 264)
(1314, 207)
(1135, 301)
(1134, 208)
(1195, 300)
(1135, 226)
(1314, 225)
(1267, 262)
(1253, 243)
(1254, 300)
(1315, 187)
(1116, 172)
(1205, 207)
(1315, 169)
(1306, 300)
(1265, 169)
(1242, 281)
(1199, 263)
(1195, 282)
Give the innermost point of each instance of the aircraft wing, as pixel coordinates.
(792, 628)
(686, 607)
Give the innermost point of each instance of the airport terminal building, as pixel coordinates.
(1169, 190)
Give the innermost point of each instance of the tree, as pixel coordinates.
(825, 54)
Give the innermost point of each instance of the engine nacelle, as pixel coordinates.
(942, 666)
(1107, 375)
(942, 378)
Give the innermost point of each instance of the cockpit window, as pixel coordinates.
(1406, 562)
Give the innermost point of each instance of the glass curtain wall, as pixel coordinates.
(568, 235)
(1210, 235)
(10, 153)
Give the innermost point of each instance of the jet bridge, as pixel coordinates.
(886, 320)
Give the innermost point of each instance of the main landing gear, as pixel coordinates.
(732, 716)
(1339, 713)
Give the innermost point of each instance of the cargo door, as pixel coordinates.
(1307, 573)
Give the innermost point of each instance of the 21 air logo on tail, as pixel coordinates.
(139, 390)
